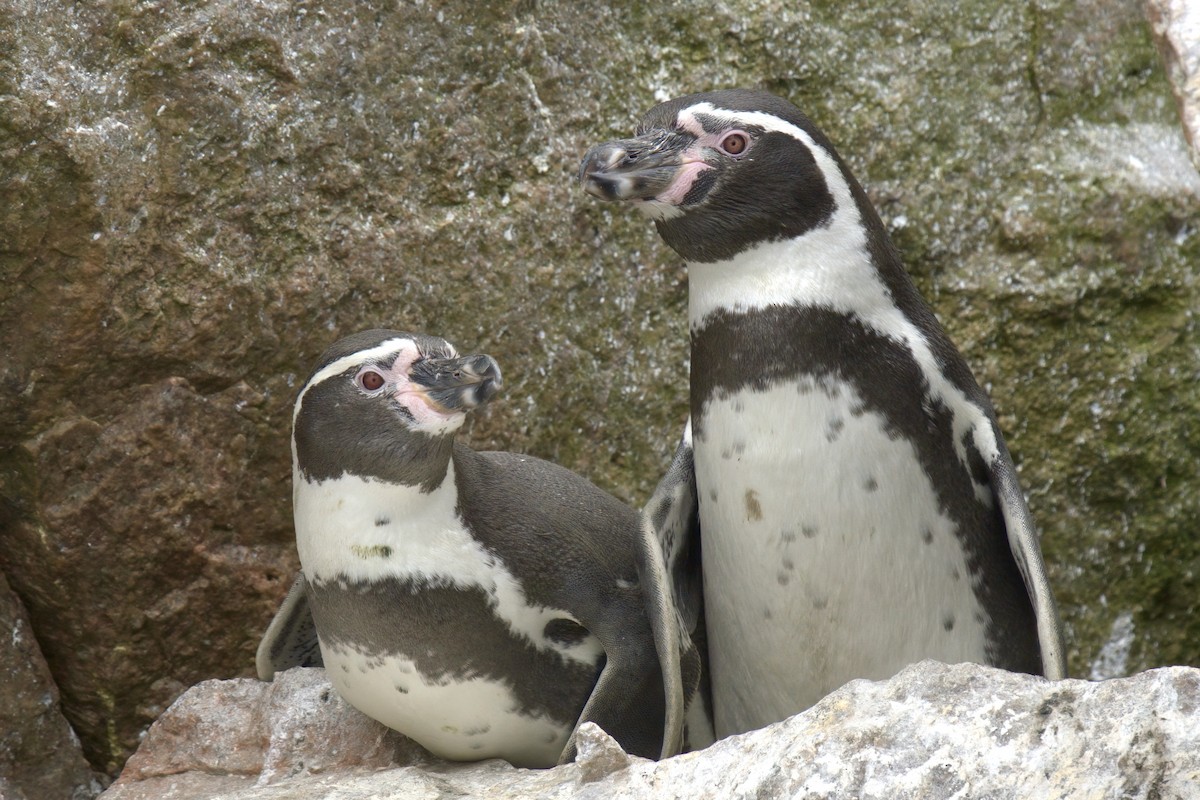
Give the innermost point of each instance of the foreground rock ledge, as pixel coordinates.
(932, 731)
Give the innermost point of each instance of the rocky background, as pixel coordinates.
(196, 198)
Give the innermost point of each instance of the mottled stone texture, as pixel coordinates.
(933, 731)
(40, 757)
(199, 197)
(227, 735)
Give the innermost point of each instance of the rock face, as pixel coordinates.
(932, 731)
(40, 757)
(199, 197)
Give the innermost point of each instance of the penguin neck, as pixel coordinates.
(847, 265)
(359, 528)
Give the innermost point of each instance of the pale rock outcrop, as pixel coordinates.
(933, 731)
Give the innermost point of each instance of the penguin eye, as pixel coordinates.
(735, 143)
(370, 380)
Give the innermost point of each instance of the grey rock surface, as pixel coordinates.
(199, 197)
(40, 758)
(932, 731)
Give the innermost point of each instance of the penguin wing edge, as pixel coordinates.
(1027, 552)
(291, 638)
(670, 571)
(671, 525)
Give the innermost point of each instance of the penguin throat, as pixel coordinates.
(829, 266)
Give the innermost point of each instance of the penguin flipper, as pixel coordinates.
(627, 700)
(678, 657)
(671, 523)
(1023, 540)
(669, 557)
(291, 638)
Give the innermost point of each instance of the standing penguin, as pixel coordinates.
(482, 603)
(858, 508)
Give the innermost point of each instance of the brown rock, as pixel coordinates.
(163, 587)
(40, 757)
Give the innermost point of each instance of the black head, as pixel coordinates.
(386, 404)
(720, 172)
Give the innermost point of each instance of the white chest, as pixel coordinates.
(826, 557)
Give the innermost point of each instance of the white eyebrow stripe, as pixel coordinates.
(759, 119)
(385, 348)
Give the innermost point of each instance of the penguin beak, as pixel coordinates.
(640, 168)
(458, 384)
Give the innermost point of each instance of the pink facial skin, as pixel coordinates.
(684, 179)
(429, 416)
(693, 158)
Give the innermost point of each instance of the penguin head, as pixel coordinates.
(386, 404)
(720, 172)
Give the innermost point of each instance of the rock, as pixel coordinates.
(229, 735)
(932, 731)
(40, 757)
(199, 197)
(599, 754)
(143, 508)
(1176, 25)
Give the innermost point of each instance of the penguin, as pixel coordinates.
(845, 473)
(485, 604)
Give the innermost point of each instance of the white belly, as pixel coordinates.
(463, 720)
(826, 557)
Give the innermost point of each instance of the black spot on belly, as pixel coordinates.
(477, 745)
(712, 495)
(477, 731)
(819, 603)
(367, 552)
(766, 613)
(753, 506)
(834, 428)
(382, 521)
(927, 535)
(565, 632)
(948, 622)
(955, 574)
(870, 484)
(788, 564)
(830, 387)
(783, 578)
(787, 537)
(809, 531)
(401, 689)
